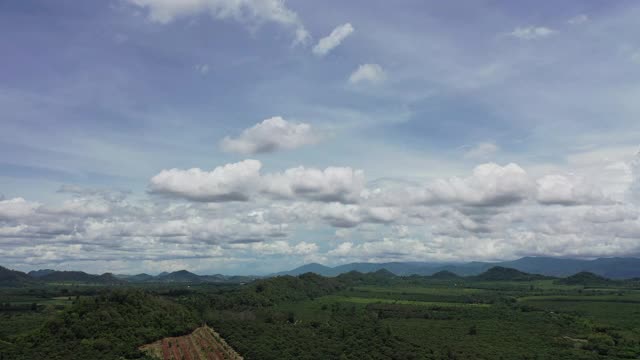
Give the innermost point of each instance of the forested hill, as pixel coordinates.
(108, 327)
(13, 278)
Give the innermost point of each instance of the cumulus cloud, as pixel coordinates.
(341, 184)
(239, 181)
(341, 216)
(331, 41)
(250, 12)
(496, 212)
(350, 215)
(532, 32)
(17, 208)
(481, 150)
(489, 185)
(231, 182)
(564, 190)
(369, 73)
(271, 135)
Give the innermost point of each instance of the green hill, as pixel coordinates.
(14, 278)
(105, 327)
(444, 275)
(179, 276)
(585, 278)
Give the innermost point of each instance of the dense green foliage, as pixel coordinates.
(106, 326)
(503, 314)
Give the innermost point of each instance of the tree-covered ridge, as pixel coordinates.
(106, 326)
(499, 273)
(13, 278)
(585, 278)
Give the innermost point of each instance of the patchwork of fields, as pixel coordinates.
(358, 316)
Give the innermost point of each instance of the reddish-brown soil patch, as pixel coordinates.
(202, 344)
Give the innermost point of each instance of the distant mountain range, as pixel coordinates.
(17, 278)
(573, 270)
(612, 268)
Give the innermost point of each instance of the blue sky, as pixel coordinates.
(315, 131)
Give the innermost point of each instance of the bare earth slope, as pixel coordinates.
(202, 344)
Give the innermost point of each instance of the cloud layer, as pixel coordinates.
(236, 212)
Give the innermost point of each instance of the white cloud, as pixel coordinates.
(371, 73)
(465, 218)
(489, 185)
(240, 181)
(271, 135)
(202, 68)
(481, 151)
(578, 19)
(341, 184)
(341, 215)
(231, 182)
(250, 12)
(17, 208)
(531, 32)
(328, 43)
(564, 190)
(284, 248)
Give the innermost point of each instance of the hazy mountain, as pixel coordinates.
(189, 277)
(80, 276)
(614, 268)
(138, 278)
(40, 273)
(313, 267)
(179, 276)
